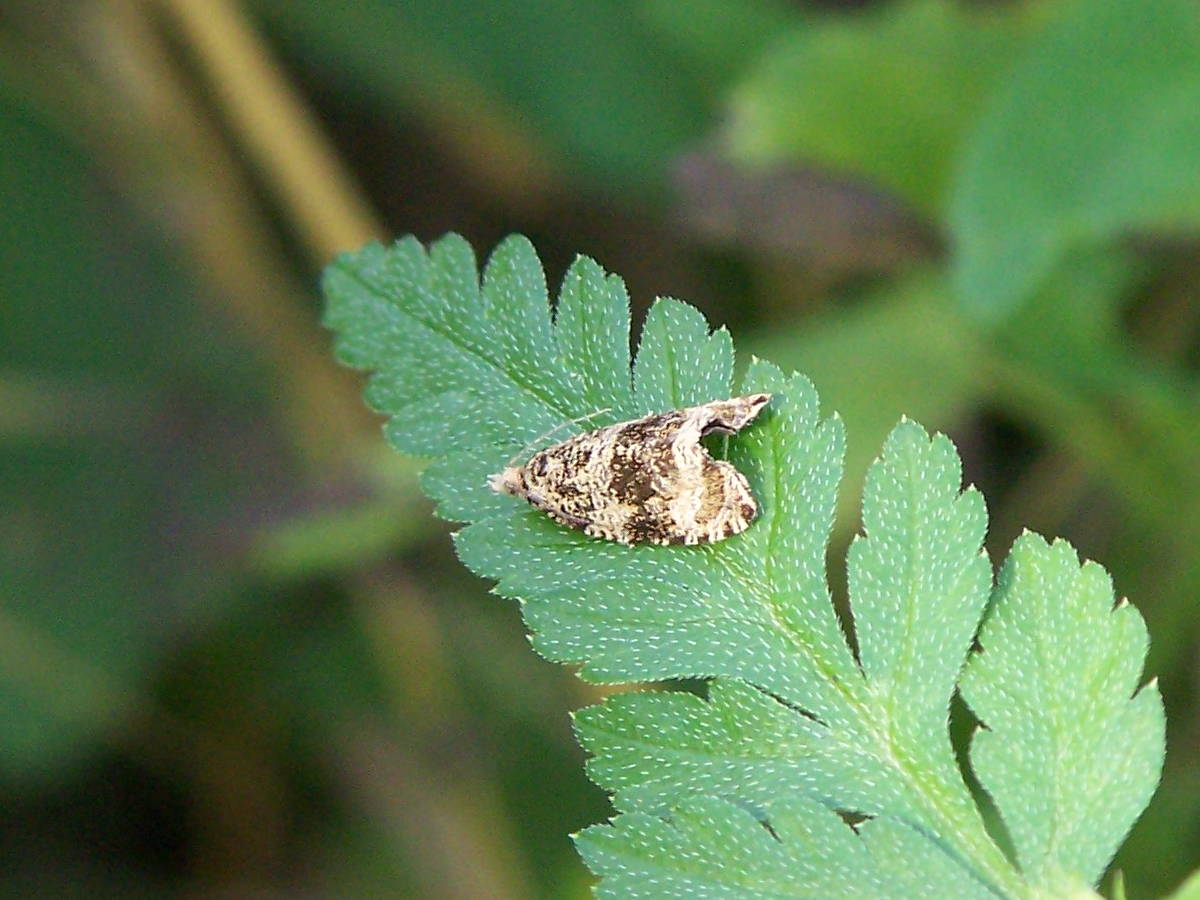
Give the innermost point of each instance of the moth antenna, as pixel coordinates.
(559, 427)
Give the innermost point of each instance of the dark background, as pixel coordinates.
(237, 655)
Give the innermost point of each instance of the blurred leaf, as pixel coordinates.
(718, 38)
(885, 94)
(1094, 133)
(1070, 337)
(1189, 890)
(1063, 364)
(110, 525)
(602, 93)
(1070, 749)
(333, 539)
(345, 532)
(1072, 325)
(68, 498)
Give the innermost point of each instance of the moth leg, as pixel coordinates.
(573, 521)
(537, 500)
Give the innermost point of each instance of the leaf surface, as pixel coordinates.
(1070, 749)
(738, 793)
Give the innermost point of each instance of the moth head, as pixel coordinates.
(509, 481)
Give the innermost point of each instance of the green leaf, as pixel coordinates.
(1071, 747)
(711, 848)
(679, 363)
(592, 325)
(1094, 133)
(886, 94)
(736, 793)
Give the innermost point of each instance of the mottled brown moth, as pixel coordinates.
(649, 480)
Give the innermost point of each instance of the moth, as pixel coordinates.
(649, 480)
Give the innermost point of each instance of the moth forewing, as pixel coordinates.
(648, 480)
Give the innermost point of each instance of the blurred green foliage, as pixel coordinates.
(887, 95)
(224, 665)
(1092, 134)
(98, 326)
